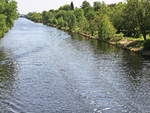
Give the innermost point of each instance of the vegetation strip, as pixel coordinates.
(8, 14)
(124, 24)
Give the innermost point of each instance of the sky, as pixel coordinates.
(25, 6)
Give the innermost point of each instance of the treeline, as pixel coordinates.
(8, 13)
(130, 19)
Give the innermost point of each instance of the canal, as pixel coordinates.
(45, 70)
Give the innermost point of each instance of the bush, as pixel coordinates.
(105, 28)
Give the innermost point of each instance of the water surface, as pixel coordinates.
(45, 70)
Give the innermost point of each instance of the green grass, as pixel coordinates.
(136, 39)
(131, 42)
(121, 37)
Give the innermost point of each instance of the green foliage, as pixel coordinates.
(8, 13)
(105, 28)
(61, 22)
(82, 23)
(2, 24)
(116, 15)
(137, 16)
(71, 20)
(35, 17)
(101, 8)
(85, 5)
(90, 15)
(86, 8)
(65, 7)
(97, 5)
(131, 18)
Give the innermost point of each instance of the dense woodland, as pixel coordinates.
(8, 13)
(128, 19)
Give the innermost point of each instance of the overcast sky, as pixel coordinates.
(25, 6)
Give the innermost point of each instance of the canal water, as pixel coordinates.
(45, 70)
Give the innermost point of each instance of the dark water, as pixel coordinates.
(44, 70)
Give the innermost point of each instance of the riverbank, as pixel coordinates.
(135, 45)
(130, 44)
(2, 33)
(8, 15)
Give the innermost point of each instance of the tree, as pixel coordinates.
(97, 5)
(116, 13)
(137, 17)
(104, 27)
(90, 15)
(35, 16)
(101, 8)
(71, 20)
(45, 16)
(85, 5)
(143, 16)
(8, 13)
(65, 7)
(72, 6)
(11, 12)
(130, 19)
(2, 24)
(82, 22)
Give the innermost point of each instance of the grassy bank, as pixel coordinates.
(136, 45)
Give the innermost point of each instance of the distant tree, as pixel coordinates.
(45, 16)
(137, 17)
(35, 16)
(72, 6)
(90, 15)
(101, 8)
(2, 24)
(116, 13)
(130, 19)
(85, 5)
(8, 14)
(97, 5)
(82, 22)
(11, 12)
(104, 27)
(143, 16)
(65, 7)
(71, 20)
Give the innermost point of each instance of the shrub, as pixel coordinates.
(105, 28)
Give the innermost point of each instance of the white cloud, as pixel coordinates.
(25, 6)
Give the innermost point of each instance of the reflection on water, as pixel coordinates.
(43, 69)
(7, 68)
(7, 79)
(130, 77)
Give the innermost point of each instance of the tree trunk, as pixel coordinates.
(143, 31)
(144, 35)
